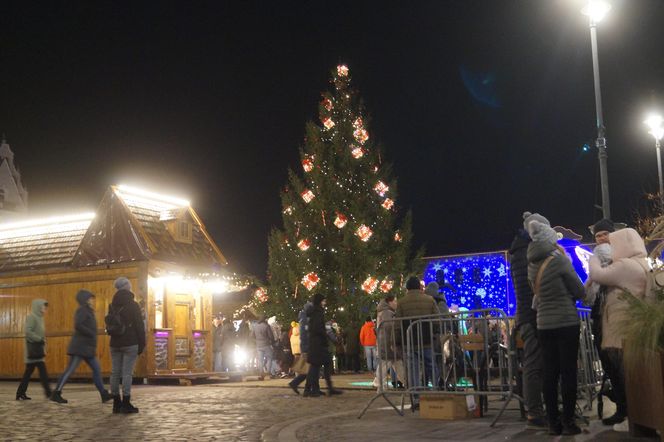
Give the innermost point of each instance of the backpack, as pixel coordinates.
(115, 325)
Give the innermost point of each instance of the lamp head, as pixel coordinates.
(596, 10)
(654, 123)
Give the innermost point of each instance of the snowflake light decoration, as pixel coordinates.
(386, 285)
(340, 221)
(328, 123)
(361, 135)
(308, 164)
(304, 244)
(261, 295)
(356, 151)
(342, 70)
(381, 188)
(387, 204)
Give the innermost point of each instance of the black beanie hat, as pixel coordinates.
(413, 283)
(603, 225)
(317, 298)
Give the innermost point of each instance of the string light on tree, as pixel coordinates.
(304, 244)
(340, 221)
(361, 135)
(288, 210)
(261, 295)
(307, 195)
(381, 188)
(370, 284)
(310, 280)
(342, 70)
(364, 232)
(387, 204)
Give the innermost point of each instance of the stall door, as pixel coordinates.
(182, 331)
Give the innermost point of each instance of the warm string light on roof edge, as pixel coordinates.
(151, 199)
(55, 224)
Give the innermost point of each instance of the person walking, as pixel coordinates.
(627, 272)
(126, 343)
(319, 354)
(556, 289)
(35, 350)
(300, 342)
(368, 342)
(526, 326)
(264, 341)
(83, 348)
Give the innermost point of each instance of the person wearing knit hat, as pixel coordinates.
(122, 283)
(601, 230)
(530, 217)
(432, 289)
(556, 288)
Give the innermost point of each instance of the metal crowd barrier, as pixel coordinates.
(465, 353)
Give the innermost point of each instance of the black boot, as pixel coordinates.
(56, 396)
(555, 427)
(127, 407)
(570, 428)
(22, 397)
(117, 404)
(105, 396)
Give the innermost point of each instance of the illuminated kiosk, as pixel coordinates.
(483, 280)
(156, 241)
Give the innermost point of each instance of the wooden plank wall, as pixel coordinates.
(59, 288)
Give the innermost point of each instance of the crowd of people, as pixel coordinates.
(547, 289)
(125, 325)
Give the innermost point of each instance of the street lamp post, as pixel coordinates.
(654, 122)
(596, 10)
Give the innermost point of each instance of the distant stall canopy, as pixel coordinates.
(129, 225)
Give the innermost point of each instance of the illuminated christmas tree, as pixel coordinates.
(341, 235)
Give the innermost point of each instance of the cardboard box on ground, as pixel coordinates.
(448, 407)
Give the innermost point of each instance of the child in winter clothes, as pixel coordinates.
(35, 340)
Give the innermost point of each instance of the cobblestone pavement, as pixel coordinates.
(249, 411)
(167, 413)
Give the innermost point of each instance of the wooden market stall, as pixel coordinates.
(156, 241)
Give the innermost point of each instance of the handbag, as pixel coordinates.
(36, 350)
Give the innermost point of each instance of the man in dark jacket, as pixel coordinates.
(126, 346)
(319, 353)
(526, 324)
(83, 347)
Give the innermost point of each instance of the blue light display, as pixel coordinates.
(484, 281)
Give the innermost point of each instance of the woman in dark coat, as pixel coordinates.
(83, 347)
(125, 347)
(319, 353)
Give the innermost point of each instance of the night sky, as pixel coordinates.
(482, 106)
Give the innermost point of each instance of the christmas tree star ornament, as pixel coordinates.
(304, 244)
(310, 280)
(369, 285)
(340, 221)
(307, 195)
(364, 232)
(387, 204)
(381, 188)
(328, 123)
(342, 70)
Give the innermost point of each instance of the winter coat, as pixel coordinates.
(295, 341)
(386, 328)
(35, 331)
(441, 301)
(263, 334)
(519, 270)
(560, 286)
(352, 339)
(132, 318)
(626, 273)
(303, 320)
(318, 353)
(217, 339)
(84, 341)
(227, 336)
(368, 334)
(416, 303)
